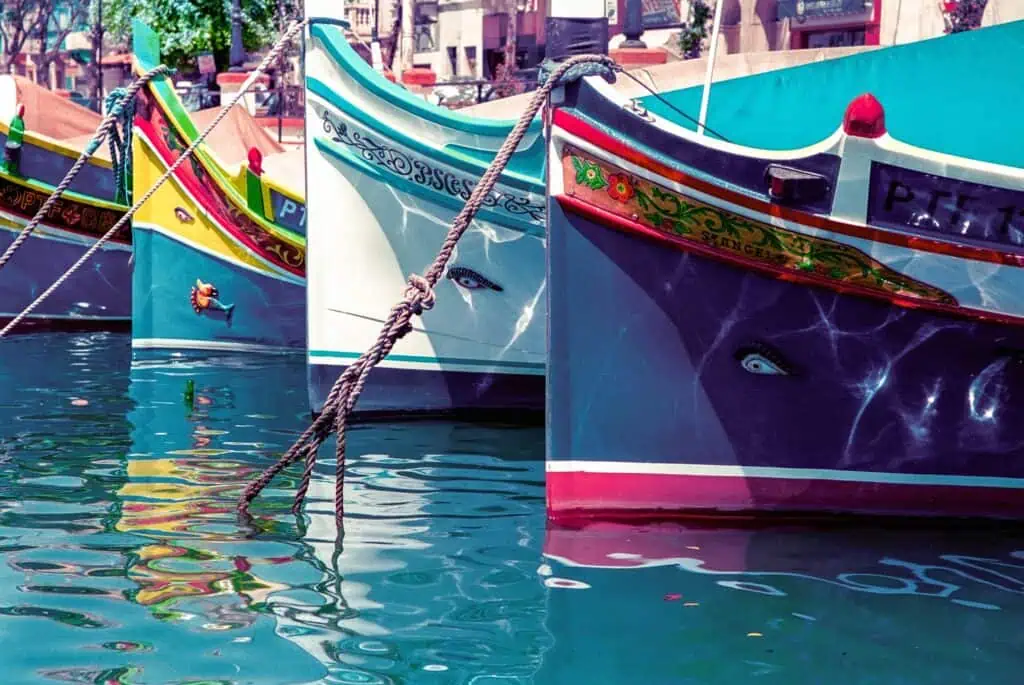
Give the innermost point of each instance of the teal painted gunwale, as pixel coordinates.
(454, 159)
(342, 52)
(526, 168)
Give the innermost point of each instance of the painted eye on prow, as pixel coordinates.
(755, 363)
(471, 280)
(468, 281)
(762, 359)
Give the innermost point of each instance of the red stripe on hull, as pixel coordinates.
(585, 131)
(213, 201)
(624, 496)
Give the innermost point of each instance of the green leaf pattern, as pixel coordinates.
(589, 174)
(680, 216)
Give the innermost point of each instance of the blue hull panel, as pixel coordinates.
(266, 312)
(678, 381)
(97, 295)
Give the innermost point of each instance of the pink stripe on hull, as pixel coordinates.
(624, 496)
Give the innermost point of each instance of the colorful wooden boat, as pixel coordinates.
(53, 133)
(835, 328)
(220, 254)
(388, 172)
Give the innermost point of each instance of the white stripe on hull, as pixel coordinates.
(736, 471)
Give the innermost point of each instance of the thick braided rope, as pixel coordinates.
(113, 114)
(121, 147)
(187, 154)
(419, 296)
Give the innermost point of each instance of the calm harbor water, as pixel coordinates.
(121, 560)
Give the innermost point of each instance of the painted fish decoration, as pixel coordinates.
(204, 296)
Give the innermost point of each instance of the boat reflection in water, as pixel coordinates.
(786, 605)
(436, 570)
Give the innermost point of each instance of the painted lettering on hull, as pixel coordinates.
(902, 198)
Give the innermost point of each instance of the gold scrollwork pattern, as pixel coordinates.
(65, 213)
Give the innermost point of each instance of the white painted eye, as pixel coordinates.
(471, 280)
(755, 363)
(468, 281)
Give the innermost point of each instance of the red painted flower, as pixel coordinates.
(620, 188)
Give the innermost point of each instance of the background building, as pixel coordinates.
(364, 15)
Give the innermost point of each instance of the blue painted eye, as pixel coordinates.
(755, 363)
(763, 360)
(471, 280)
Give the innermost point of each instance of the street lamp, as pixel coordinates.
(237, 56)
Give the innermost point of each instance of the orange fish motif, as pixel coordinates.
(204, 297)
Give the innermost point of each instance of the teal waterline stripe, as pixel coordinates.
(454, 159)
(341, 52)
(410, 188)
(435, 360)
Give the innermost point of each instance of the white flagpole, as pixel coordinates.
(716, 28)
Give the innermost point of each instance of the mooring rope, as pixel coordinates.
(419, 296)
(274, 53)
(121, 146)
(113, 115)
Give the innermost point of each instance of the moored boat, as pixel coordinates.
(834, 329)
(220, 254)
(387, 174)
(43, 134)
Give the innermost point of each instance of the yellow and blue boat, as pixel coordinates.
(220, 254)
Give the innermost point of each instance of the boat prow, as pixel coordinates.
(220, 219)
(829, 329)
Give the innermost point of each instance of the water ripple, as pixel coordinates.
(122, 560)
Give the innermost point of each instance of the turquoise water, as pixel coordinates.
(121, 560)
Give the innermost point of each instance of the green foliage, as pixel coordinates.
(188, 27)
(691, 38)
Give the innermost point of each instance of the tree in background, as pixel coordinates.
(691, 38)
(58, 18)
(42, 25)
(963, 15)
(18, 23)
(188, 27)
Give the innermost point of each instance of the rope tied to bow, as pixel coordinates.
(419, 296)
(122, 106)
(114, 114)
(271, 56)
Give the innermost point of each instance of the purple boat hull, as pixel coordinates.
(712, 351)
(861, 387)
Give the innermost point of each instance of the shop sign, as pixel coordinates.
(813, 9)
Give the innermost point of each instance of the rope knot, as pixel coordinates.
(419, 295)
